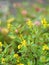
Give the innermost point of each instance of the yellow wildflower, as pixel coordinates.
(29, 23)
(24, 43)
(20, 64)
(44, 22)
(19, 46)
(16, 55)
(45, 47)
(3, 60)
(8, 25)
(10, 20)
(0, 44)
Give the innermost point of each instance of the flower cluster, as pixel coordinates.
(24, 40)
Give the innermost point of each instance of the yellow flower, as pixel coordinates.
(45, 47)
(0, 44)
(10, 20)
(16, 55)
(29, 23)
(24, 43)
(20, 64)
(3, 60)
(19, 46)
(8, 25)
(44, 22)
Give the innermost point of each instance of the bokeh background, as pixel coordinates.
(10, 6)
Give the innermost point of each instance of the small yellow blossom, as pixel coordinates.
(19, 46)
(3, 60)
(10, 20)
(45, 47)
(24, 43)
(16, 55)
(44, 22)
(29, 23)
(20, 64)
(0, 44)
(8, 25)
